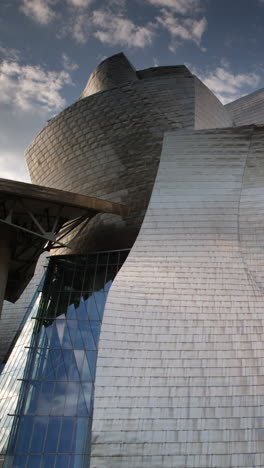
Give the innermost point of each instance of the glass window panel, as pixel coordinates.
(39, 431)
(66, 342)
(81, 407)
(25, 426)
(74, 301)
(62, 461)
(48, 371)
(45, 397)
(69, 291)
(20, 461)
(86, 373)
(88, 281)
(61, 373)
(95, 327)
(88, 391)
(42, 336)
(39, 362)
(58, 400)
(63, 301)
(111, 272)
(52, 435)
(92, 357)
(72, 394)
(80, 433)
(32, 397)
(78, 358)
(48, 461)
(122, 256)
(107, 286)
(54, 358)
(71, 312)
(113, 258)
(76, 461)
(93, 312)
(81, 311)
(34, 461)
(87, 335)
(60, 324)
(100, 299)
(70, 365)
(66, 434)
(75, 334)
(52, 333)
(103, 258)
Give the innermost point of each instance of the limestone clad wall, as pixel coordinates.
(180, 374)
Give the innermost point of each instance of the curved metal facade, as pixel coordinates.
(180, 369)
(179, 380)
(108, 144)
(248, 109)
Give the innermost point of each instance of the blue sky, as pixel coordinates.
(49, 47)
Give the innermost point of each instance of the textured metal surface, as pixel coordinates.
(38, 219)
(109, 74)
(248, 109)
(108, 144)
(180, 374)
(12, 314)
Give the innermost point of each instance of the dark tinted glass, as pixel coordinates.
(53, 427)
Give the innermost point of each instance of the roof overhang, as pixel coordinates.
(39, 219)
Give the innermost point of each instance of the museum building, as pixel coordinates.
(139, 342)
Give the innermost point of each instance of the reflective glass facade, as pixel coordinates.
(13, 370)
(53, 420)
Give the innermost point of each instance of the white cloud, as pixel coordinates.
(228, 86)
(31, 87)
(29, 96)
(39, 10)
(81, 28)
(182, 29)
(109, 28)
(68, 64)
(110, 24)
(113, 29)
(80, 3)
(178, 6)
(13, 166)
(17, 130)
(9, 53)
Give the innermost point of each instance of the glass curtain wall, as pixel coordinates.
(52, 425)
(13, 370)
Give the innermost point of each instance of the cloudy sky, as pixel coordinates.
(49, 47)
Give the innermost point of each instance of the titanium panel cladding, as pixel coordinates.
(180, 369)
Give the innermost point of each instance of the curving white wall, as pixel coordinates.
(180, 375)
